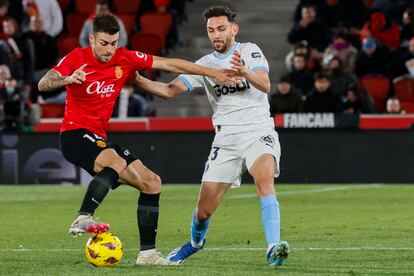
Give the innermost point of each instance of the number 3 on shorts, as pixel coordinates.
(214, 153)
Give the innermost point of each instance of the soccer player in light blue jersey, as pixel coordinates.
(245, 132)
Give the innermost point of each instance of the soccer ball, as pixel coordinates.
(104, 249)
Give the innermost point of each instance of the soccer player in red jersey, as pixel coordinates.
(94, 77)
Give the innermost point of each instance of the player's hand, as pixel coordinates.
(78, 76)
(227, 77)
(237, 64)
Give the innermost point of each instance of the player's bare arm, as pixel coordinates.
(223, 76)
(164, 90)
(259, 79)
(53, 79)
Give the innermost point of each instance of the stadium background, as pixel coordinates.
(317, 147)
(333, 229)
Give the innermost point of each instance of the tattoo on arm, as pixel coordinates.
(51, 81)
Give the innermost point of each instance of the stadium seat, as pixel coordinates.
(407, 106)
(127, 6)
(404, 89)
(75, 23)
(377, 87)
(158, 23)
(129, 22)
(63, 4)
(86, 6)
(147, 43)
(50, 110)
(67, 43)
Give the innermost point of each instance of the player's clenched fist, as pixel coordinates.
(78, 76)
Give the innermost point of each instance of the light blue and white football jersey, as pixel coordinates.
(239, 108)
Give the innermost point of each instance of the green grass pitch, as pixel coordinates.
(332, 230)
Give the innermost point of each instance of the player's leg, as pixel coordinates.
(149, 185)
(92, 153)
(262, 162)
(223, 169)
(210, 196)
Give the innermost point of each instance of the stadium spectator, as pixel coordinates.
(16, 109)
(373, 59)
(286, 99)
(310, 29)
(102, 7)
(50, 12)
(45, 56)
(407, 28)
(130, 104)
(393, 106)
(383, 29)
(300, 77)
(4, 8)
(324, 10)
(45, 48)
(321, 99)
(357, 100)
(21, 53)
(312, 61)
(340, 47)
(339, 79)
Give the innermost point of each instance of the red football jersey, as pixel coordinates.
(89, 105)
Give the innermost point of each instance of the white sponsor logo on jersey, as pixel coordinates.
(100, 88)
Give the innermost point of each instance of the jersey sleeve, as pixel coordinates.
(255, 58)
(192, 81)
(69, 63)
(138, 60)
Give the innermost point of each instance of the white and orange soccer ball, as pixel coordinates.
(104, 249)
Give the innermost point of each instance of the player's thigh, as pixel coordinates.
(81, 147)
(263, 155)
(211, 194)
(223, 165)
(142, 178)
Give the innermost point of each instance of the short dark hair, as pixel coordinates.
(214, 11)
(105, 23)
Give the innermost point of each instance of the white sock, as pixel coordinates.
(148, 252)
(196, 245)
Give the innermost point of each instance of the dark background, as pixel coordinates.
(308, 156)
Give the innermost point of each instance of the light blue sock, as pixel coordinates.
(198, 231)
(270, 218)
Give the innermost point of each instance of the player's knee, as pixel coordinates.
(152, 184)
(118, 164)
(265, 186)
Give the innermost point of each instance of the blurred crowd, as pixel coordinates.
(35, 34)
(349, 56)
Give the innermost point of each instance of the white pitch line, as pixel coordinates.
(227, 249)
(318, 190)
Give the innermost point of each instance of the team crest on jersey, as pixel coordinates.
(268, 140)
(101, 144)
(118, 72)
(256, 55)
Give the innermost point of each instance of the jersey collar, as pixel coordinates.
(229, 52)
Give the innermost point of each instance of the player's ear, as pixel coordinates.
(91, 39)
(235, 29)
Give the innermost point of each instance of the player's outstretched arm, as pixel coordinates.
(180, 66)
(53, 79)
(259, 79)
(164, 90)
